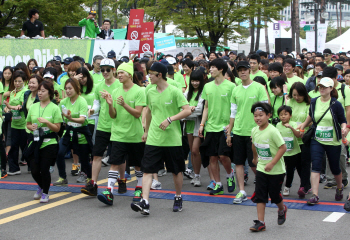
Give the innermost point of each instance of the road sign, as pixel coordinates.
(276, 30)
(310, 28)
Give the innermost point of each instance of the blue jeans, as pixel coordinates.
(333, 154)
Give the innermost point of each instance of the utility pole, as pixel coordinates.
(100, 13)
(316, 19)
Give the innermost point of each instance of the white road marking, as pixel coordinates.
(333, 217)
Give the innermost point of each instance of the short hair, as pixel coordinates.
(321, 64)
(37, 77)
(289, 61)
(255, 56)
(280, 56)
(53, 71)
(302, 91)
(304, 49)
(97, 57)
(189, 55)
(276, 66)
(263, 54)
(277, 82)
(107, 20)
(319, 55)
(188, 62)
(260, 80)
(21, 74)
(242, 57)
(49, 87)
(75, 84)
(32, 12)
(202, 54)
(302, 57)
(330, 72)
(347, 72)
(89, 82)
(73, 66)
(265, 106)
(216, 55)
(220, 64)
(285, 108)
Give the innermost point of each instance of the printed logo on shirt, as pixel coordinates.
(253, 97)
(171, 101)
(48, 117)
(224, 95)
(132, 101)
(266, 140)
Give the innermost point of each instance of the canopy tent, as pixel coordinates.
(340, 44)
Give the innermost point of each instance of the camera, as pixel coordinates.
(274, 121)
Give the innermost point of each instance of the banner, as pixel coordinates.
(13, 51)
(165, 43)
(321, 38)
(120, 47)
(147, 37)
(134, 29)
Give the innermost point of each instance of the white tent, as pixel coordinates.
(340, 44)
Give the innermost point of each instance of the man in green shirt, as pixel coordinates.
(254, 64)
(90, 26)
(162, 136)
(178, 77)
(327, 53)
(96, 74)
(288, 68)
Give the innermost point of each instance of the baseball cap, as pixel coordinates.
(107, 62)
(319, 74)
(147, 54)
(327, 82)
(57, 58)
(233, 52)
(35, 68)
(124, 59)
(171, 60)
(159, 67)
(244, 64)
(170, 70)
(339, 67)
(49, 75)
(111, 54)
(92, 12)
(164, 61)
(271, 56)
(298, 63)
(340, 78)
(310, 66)
(225, 58)
(327, 50)
(68, 60)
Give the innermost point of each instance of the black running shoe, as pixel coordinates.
(177, 204)
(258, 226)
(122, 186)
(137, 194)
(90, 189)
(141, 207)
(282, 215)
(245, 179)
(106, 197)
(345, 182)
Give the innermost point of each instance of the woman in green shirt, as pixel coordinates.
(44, 117)
(277, 99)
(188, 67)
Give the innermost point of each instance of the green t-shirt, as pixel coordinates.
(97, 77)
(219, 106)
(89, 100)
(294, 79)
(89, 28)
(314, 94)
(289, 138)
(18, 118)
(325, 132)
(331, 64)
(299, 114)
(188, 82)
(190, 123)
(179, 78)
(238, 81)
(51, 113)
(78, 108)
(104, 120)
(5, 89)
(63, 81)
(169, 80)
(125, 127)
(267, 143)
(30, 102)
(276, 103)
(244, 97)
(164, 105)
(343, 102)
(259, 74)
(57, 87)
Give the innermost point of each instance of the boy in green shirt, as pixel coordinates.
(162, 136)
(90, 26)
(268, 149)
(254, 62)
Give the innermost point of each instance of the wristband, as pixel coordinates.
(302, 130)
(201, 125)
(284, 94)
(169, 120)
(347, 126)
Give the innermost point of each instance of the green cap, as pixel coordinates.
(127, 67)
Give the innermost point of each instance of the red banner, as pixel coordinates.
(135, 25)
(147, 37)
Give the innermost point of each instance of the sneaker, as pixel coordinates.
(254, 180)
(127, 176)
(258, 226)
(106, 197)
(347, 204)
(89, 189)
(122, 186)
(52, 169)
(345, 183)
(245, 179)
(140, 207)
(189, 173)
(3, 173)
(240, 197)
(301, 192)
(313, 200)
(286, 191)
(330, 185)
(75, 170)
(137, 194)
(339, 193)
(211, 185)
(44, 198)
(22, 163)
(161, 172)
(105, 161)
(218, 190)
(13, 173)
(156, 185)
(60, 182)
(177, 204)
(282, 215)
(192, 181)
(38, 194)
(323, 178)
(231, 184)
(82, 178)
(197, 181)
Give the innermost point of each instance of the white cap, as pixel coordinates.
(49, 75)
(327, 82)
(107, 62)
(171, 60)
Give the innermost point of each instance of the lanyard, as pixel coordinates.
(43, 111)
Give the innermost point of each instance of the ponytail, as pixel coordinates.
(334, 93)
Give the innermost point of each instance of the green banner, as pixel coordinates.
(13, 51)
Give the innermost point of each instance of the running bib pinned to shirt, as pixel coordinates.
(263, 151)
(324, 134)
(16, 115)
(289, 143)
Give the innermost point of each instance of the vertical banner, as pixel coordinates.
(134, 29)
(147, 37)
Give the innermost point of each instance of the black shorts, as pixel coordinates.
(242, 149)
(154, 158)
(120, 152)
(102, 140)
(268, 186)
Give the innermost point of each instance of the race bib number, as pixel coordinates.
(16, 115)
(324, 134)
(289, 143)
(264, 152)
(73, 124)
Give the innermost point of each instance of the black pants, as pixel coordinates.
(2, 153)
(292, 163)
(18, 140)
(41, 169)
(305, 167)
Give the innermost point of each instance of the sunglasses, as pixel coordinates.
(105, 70)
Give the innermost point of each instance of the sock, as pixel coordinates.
(219, 183)
(139, 175)
(177, 195)
(112, 179)
(229, 175)
(146, 201)
(197, 175)
(262, 222)
(242, 191)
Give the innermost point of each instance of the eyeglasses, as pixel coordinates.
(105, 70)
(326, 54)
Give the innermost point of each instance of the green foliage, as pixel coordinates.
(333, 33)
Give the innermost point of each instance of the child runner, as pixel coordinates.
(268, 149)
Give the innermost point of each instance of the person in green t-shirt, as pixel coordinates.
(71, 73)
(275, 70)
(96, 73)
(216, 113)
(18, 123)
(162, 136)
(288, 68)
(188, 67)
(277, 100)
(290, 135)
(178, 77)
(45, 117)
(241, 121)
(268, 148)
(50, 74)
(104, 125)
(125, 108)
(254, 62)
(90, 26)
(327, 53)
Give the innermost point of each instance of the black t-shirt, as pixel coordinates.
(33, 29)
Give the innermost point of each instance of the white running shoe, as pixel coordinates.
(156, 185)
(105, 161)
(197, 181)
(286, 191)
(38, 194)
(44, 198)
